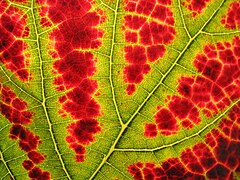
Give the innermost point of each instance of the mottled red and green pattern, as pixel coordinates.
(119, 89)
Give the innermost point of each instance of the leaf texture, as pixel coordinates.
(119, 89)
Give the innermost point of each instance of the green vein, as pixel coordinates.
(44, 96)
(111, 63)
(220, 33)
(187, 69)
(183, 20)
(6, 165)
(114, 99)
(15, 158)
(4, 126)
(18, 5)
(9, 147)
(17, 86)
(174, 64)
(184, 139)
(104, 4)
(49, 29)
(125, 125)
(118, 170)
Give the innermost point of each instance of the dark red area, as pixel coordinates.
(77, 33)
(14, 109)
(232, 19)
(211, 92)
(27, 164)
(191, 161)
(147, 39)
(218, 157)
(131, 36)
(155, 52)
(136, 58)
(81, 134)
(75, 68)
(229, 126)
(131, 88)
(36, 157)
(204, 156)
(12, 26)
(170, 169)
(151, 130)
(135, 72)
(37, 173)
(196, 6)
(166, 122)
(28, 141)
(185, 110)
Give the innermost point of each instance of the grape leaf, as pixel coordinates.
(119, 89)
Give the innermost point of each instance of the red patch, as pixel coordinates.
(219, 171)
(135, 54)
(232, 19)
(37, 173)
(150, 130)
(204, 156)
(81, 134)
(191, 162)
(36, 157)
(184, 110)
(14, 109)
(196, 6)
(166, 122)
(170, 169)
(148, 38)
(229, 125)
(218, 157)
(12, 26)
(28, 165)
(77, 31)
(155, 52)
(211, 92)
(134, 73)
(131, 88)
(131, 37)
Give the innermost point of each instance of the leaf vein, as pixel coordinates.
(44, 95)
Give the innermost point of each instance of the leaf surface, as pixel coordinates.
(119, 89)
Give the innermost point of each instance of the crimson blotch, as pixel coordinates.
(76, 35)
(146, 39)
(15, 110)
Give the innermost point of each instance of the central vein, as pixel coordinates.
(44, 94)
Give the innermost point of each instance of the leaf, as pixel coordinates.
(119, 89)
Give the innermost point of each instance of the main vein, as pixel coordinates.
(184, 139)
(111, 63)
(113, 93)
(44, 95)
(125, 125)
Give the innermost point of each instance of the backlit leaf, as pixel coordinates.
(119, 89)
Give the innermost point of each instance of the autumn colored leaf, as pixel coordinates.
(119, 89)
